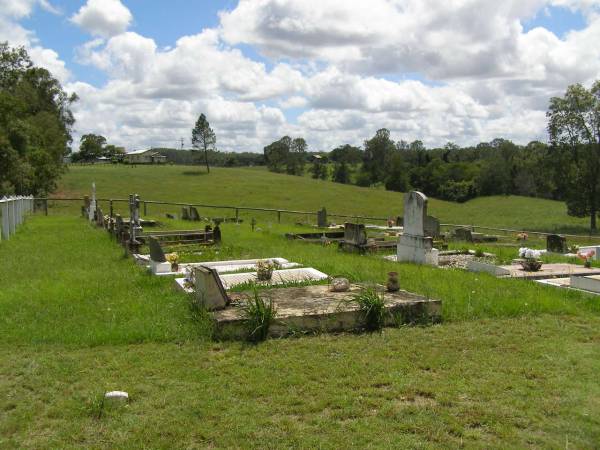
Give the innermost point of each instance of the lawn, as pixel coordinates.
(257, 187)
(514, 364)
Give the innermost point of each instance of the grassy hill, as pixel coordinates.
(259, 188)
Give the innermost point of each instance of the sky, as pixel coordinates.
(331, 71)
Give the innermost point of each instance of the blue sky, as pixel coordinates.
(331, 71)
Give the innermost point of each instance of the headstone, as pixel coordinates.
(92, 208)
(355, 234)
(158, 261)
(432, 227)
(185, 213)
(322, 218)
(217, 234)
(208, 289)
(86, 206)
(414, 246)
(556, 243)
(156, 252)
(119, 228)
(463, 234)
(99, 218)
(194, 215)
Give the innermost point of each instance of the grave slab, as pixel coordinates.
(566, 283)
(550, 271)
(317, 309)
(590, 283)
(279, 277)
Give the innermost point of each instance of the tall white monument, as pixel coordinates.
(414, 246)
(92, 210)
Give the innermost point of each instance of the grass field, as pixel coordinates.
(514, 364)
(257, 187)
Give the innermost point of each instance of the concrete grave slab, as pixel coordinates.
(317, 309)
(279, 277)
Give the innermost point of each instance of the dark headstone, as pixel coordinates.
(322, 218)
(185, 213)
(463, 234)
(217, 234)
(118, 226)
(156, 251)
(355, 234)
(99, 217)
(432, 227)
(399, 221)
(170, 216)
(556, 243)
(194, 215)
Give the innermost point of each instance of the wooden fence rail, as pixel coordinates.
(279, 212)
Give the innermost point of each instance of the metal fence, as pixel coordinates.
(13, 210)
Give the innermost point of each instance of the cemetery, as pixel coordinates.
(178, 304)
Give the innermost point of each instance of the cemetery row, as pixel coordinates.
(299, 304)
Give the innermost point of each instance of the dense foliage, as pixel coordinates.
(203, 138)
(35, 125)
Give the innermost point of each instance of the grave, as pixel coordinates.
(559, 270)
(158, 260)
(92, 207)
(185, 213)
(594, 248)
(194, 214)
(589, 284)
(297, 275)
(556, 243)
(322, 218)
(318, 309)
(463, 234)
(432, 227)
(414, 246)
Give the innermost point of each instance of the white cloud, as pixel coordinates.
(462, 71)
(104, 18)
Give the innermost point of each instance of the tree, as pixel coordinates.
(91, 147)
(35, 125)
(341, 173)
(319, 168)
(296, 157)
(397, 178)
(378, 150)
(277, 153)
(574, 129)
(203, 137)
(113, 152)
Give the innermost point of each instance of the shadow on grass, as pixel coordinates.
(194, 172)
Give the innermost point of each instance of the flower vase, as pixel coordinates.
(393, 284)
(531, 265)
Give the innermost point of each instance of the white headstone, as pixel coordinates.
(413, 245)
(92, 210)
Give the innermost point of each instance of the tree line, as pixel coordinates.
(566, 168)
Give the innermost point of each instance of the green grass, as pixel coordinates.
(257, 187)
(513, 364)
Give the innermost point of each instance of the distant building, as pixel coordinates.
(144, 157)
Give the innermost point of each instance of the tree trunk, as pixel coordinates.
(593, 219)
(206, 160)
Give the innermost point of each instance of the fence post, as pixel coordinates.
(46, 206)
(110, 204)
(279, 216)
(237, 215)
(145, 209)
(5, 219)
(12, 214)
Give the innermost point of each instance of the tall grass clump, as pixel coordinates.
(372, 307)
(259, 313)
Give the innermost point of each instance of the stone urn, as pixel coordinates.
(264, 271)
(393, 284)
(531, 265)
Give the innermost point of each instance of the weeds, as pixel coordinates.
(372, 306)
(259, 313)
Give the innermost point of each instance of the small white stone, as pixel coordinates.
(116, 398)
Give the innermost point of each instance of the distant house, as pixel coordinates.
(144, 157)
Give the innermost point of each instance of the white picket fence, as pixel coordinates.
(13, 210)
